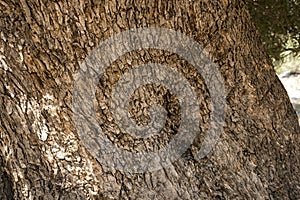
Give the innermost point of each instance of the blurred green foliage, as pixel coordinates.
(278, 22)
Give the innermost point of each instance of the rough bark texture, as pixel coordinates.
(42, 44)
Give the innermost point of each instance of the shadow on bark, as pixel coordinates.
(6, 190)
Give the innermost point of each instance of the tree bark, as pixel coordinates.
(42, 45)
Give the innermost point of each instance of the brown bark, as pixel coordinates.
(42, 44)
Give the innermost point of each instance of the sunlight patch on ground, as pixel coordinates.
(291, 82)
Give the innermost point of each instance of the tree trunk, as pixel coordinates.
(43, 154)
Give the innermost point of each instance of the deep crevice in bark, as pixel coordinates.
(6, 185)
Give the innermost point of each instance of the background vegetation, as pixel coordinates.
(279, 24)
